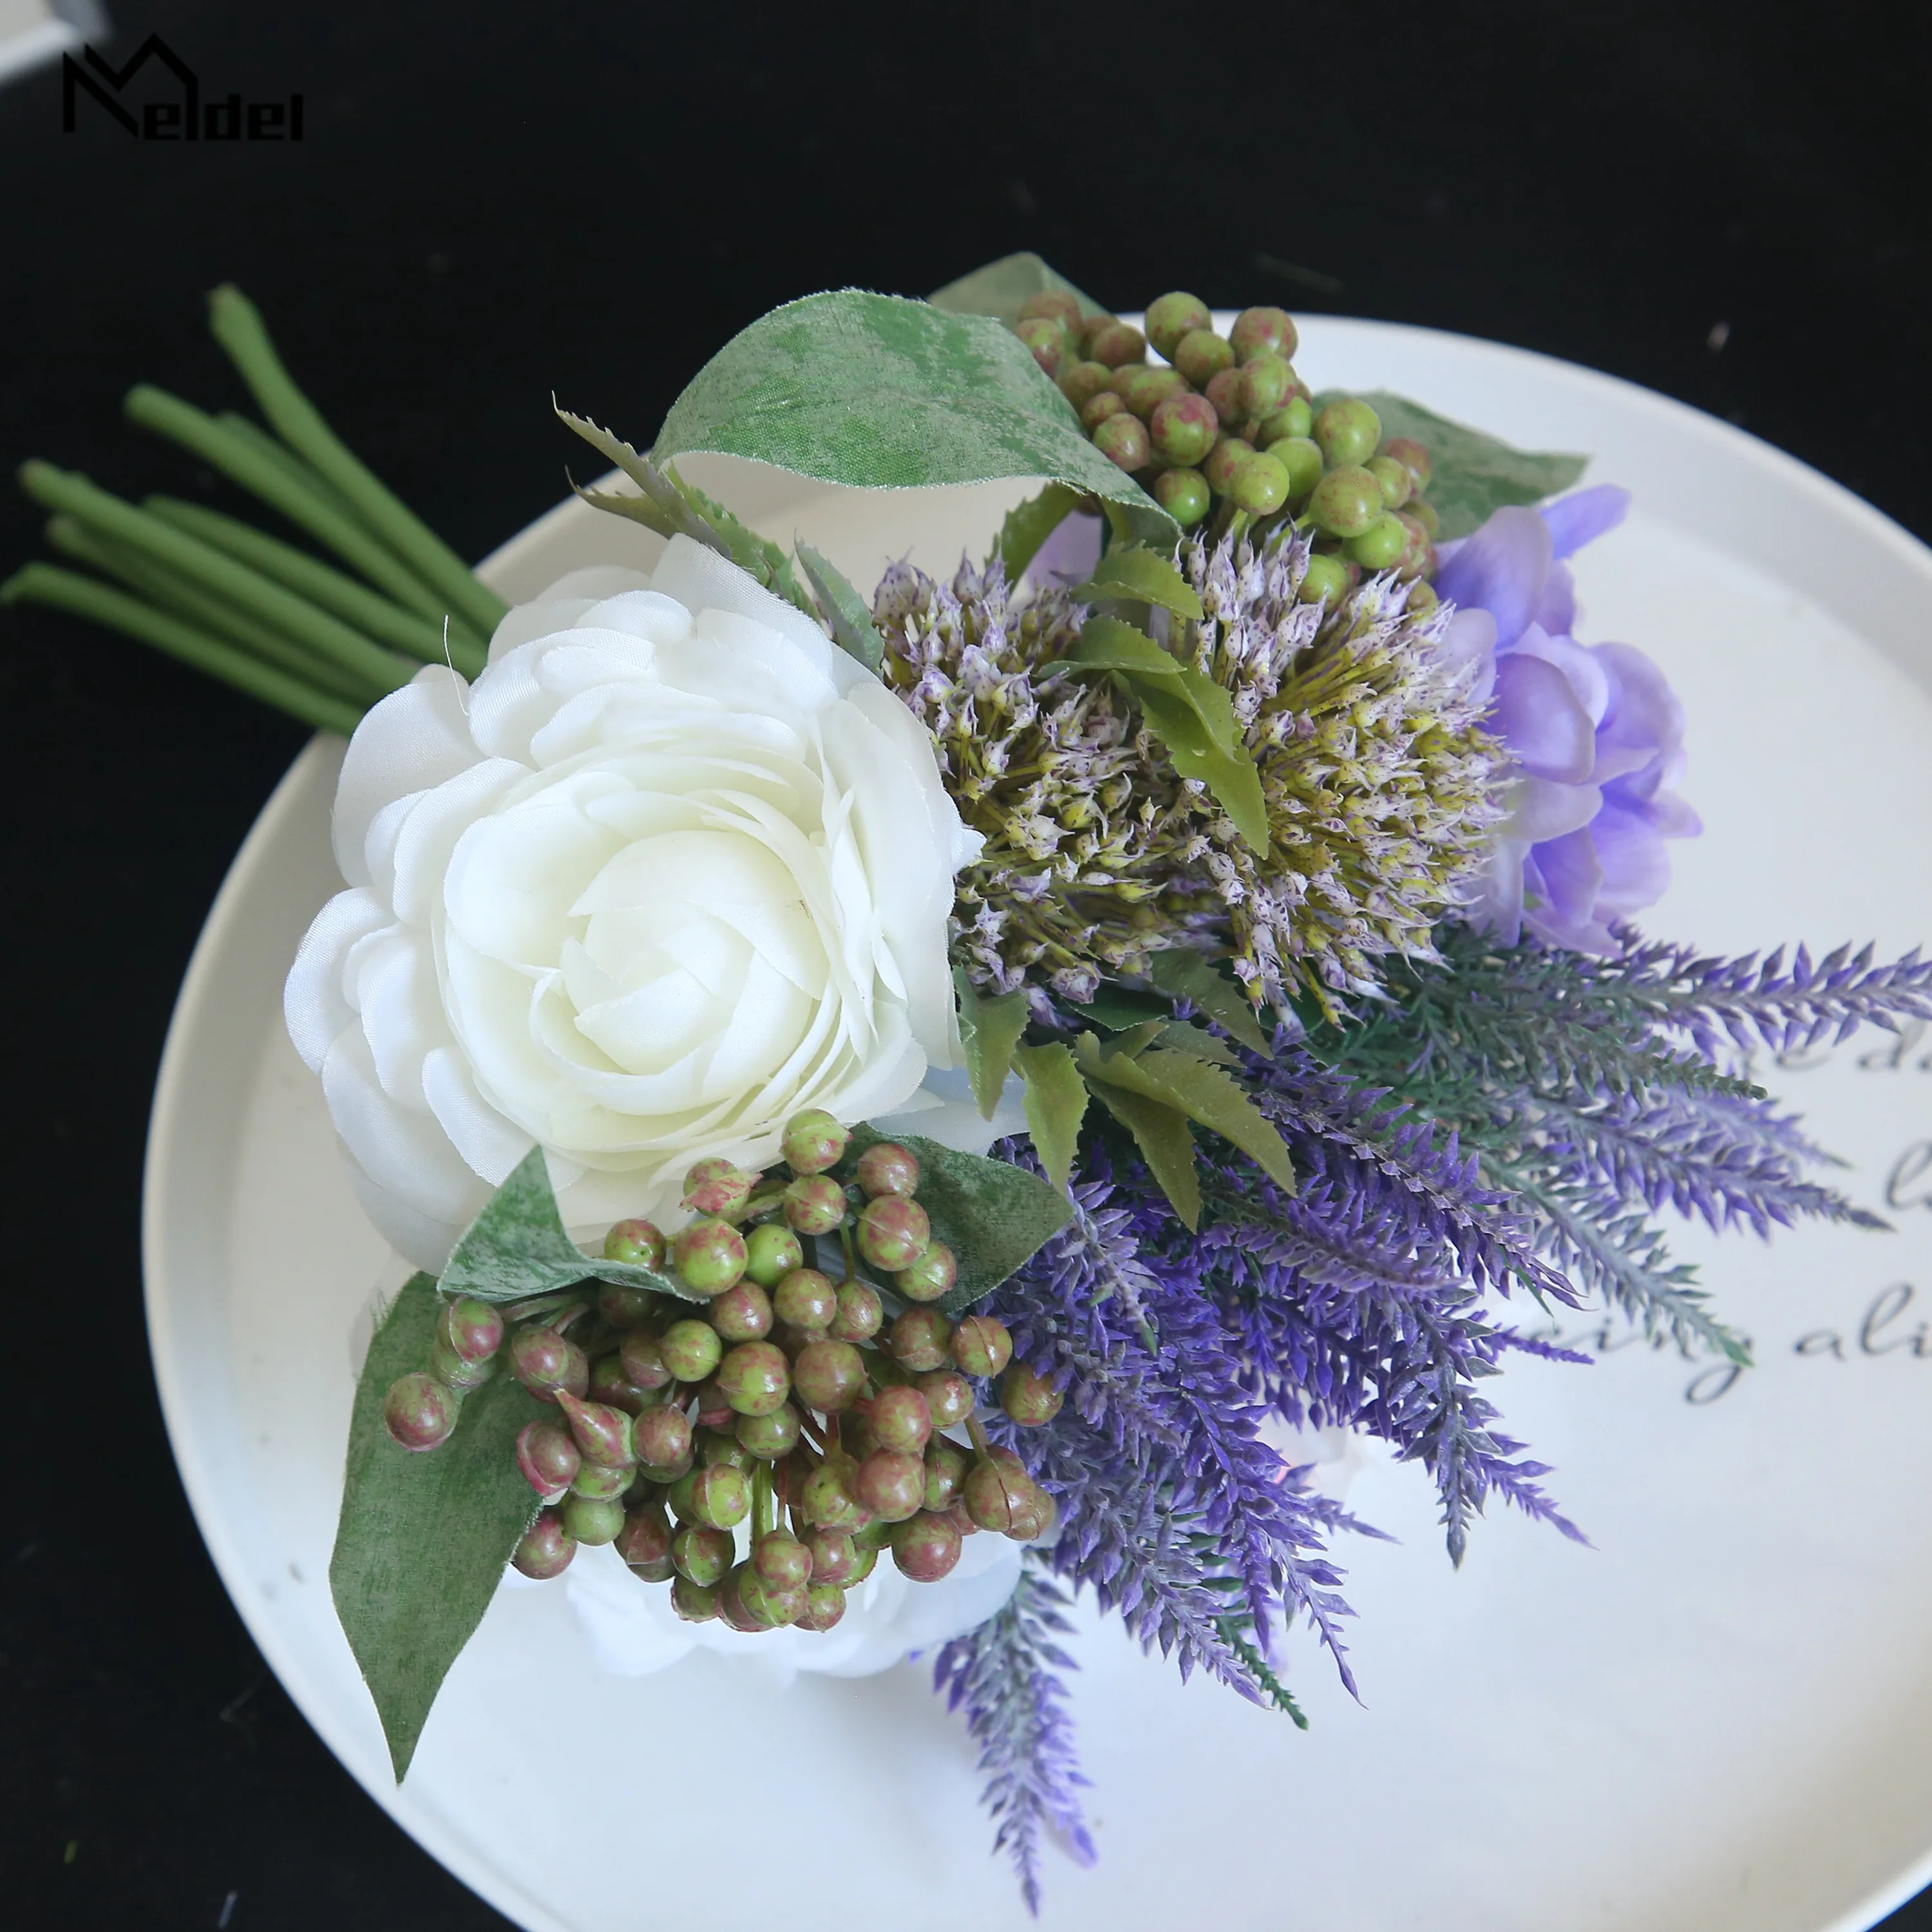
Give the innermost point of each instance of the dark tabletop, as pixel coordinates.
(1727, 202)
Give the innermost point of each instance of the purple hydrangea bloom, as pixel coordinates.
(1596, 731)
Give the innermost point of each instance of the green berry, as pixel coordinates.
(824, 1605)
(603, 1434)
(593, 1519)
(1380, 547)
(1326, 579)
(806, 1300)
(1228, 394)
(949, 1397)
(1220, 467)
(1054, 305)
(1200, 355)
(544, 1361)
(946, 1467)
(1393, 479)
(691, 1349)
(1294, 418)
(782, 1560)
(695, 1602)
(472, 1329)
(602, 1484)
(1262, 332)
(1080, 382)
(1101, 408)
(833, 1558)
(702, 1556)
(547, 1457)
(1029, 1399)
(754, 1378)
(642, 1359)
(1170, 318)
(721, 1497)
(720, 1448)
(891, 1483)
(893, 1232)
(770, 1437)
(644, 1542)
(1422, 599)
(920, 1339)
(772, 1251)
(1116, 344)
(925, 1547)
(1415, 458)
(719, 1187)
(610, 1385)
(1144, 390)
(662, 1436)
(1301, 459)
(1184, 495)
(886, 1168)
(1182, 429)
(929, 1274)
(709, 1254)
(1258, 485)
(864, 1557)
(744, 1313)
(900, 1419)
(1346, 501)
(828, 1499)
(546, 1548)
(814, 1204)
(995, 1491)
(982, 1345)
(829, 1376)
(1047, 341)
(813, 1142)
(861, 1312)
(765, 1606)
(625, 1308)
(1424, 514)
(637, 1242)
(1270, 382)
(1123, 440)
(419, 1412)
(456, 1374)
(1034, 1517)
(1348, 432)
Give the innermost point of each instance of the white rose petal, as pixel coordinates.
(672, 869)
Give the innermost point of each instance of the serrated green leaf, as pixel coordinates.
(1026, 528)
(423, 1539)
(660, 507)
(1133, 572)
(989, 1029)
(1108, 644)
(1231, 777)
(517, 1247)
(757, 555)
(1181, 1036)
(1474, 472)
(1186, 975)
(1161, 1132)
(991, 1214)
(1056, 1103)
(877, 392)
(1205, 1094)
(1118, 1008)
(853, 630)
(998, 289)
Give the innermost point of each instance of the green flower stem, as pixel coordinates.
(259, 596)
(101, 604)
(181, 598)
(238, 328)
(320, 583)
(242, 453)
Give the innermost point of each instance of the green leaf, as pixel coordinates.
(1181, 1036)
(1118, 1008)
(998, 289)
(1027, 527)
(1474, 473)
(662, 507)
(1231, 777)
(1203, 1093)
(1107, 643)
(517, 1247)
(989, 1029)
(1056, 1103)
(991, 1214)
(1161, 1133)
(423, 1538)
(844, 609)
(1186, 975)
(1133, 571)
(877, 392)
(756, 555)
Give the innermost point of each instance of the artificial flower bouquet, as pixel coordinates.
(922, 1098)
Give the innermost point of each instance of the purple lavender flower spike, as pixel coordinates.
(1596, 731)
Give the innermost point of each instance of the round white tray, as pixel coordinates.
(1713, 1720)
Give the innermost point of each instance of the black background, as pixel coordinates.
(494, 202)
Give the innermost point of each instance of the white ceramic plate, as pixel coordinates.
(1715, 1720)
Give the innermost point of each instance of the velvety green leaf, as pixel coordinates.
(877, 392)
(1056, 1103)
(1205, 1094)
(1133, 571)
(989, 1029)
(853, 630)
(517, 1247)
(1186, 975)
(1161, 1132)
(423, 1538)
(1027, 527)
(991, 1214)
(1474, 472)
(998, 289)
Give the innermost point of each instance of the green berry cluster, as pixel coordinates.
(1224, 424)
(756, 1450)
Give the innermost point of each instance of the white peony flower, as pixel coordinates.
(673, 869)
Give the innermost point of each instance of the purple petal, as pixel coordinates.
(1537, 715)
(1470, 638)
(1068, 556)
(1556, 610)
(1588, 678)
(1502, 568)
(1495, 904)
(1643, 718)
(1583, 516)
(1568, 871)
(1635, 869)
(1541, 809)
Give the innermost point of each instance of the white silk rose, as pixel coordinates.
(673, 869)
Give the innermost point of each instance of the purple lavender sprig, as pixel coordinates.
(1001, 1676)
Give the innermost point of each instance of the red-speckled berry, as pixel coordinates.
(829, 1376)
(891, 1483)
(544, 1361)
(946, 1467)
(644, 1542)
(900, 1419)
(691, 1349)
(419, 1412)
(814, 1204)
(949, 1397)
(982, 1345)
(920, 1339)
(929, 1274)
(639, 1243)
(861, 1313)
(546, 1548)
(547, 1457)
(813, 1142)
(769, 1437)
(1027, 1398)
(925, 1547)
(709, 1254)
(893, 1232)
